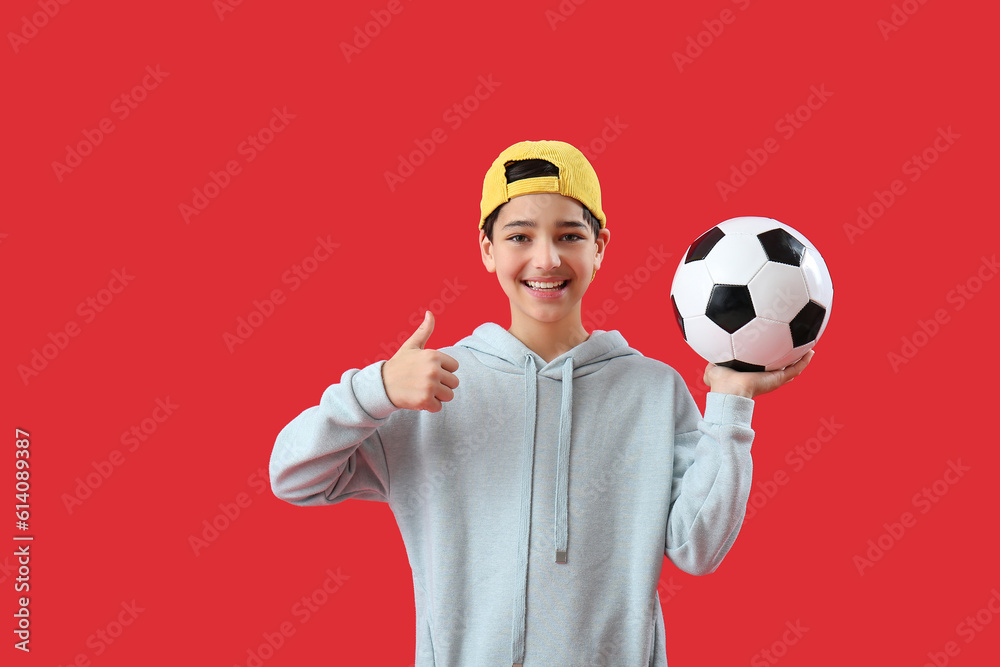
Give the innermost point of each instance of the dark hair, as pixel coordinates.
(521, 169)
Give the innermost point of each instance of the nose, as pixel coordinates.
(546, 255)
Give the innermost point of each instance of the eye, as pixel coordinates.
(574, 237)
(517, 238)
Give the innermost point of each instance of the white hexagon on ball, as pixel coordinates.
(735, 259)
(778, 292)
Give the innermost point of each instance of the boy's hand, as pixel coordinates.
(727, 381)
(419, 379)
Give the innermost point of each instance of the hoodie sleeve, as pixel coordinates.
(711, 478)
(333, 451)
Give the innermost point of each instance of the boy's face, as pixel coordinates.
(544, 253)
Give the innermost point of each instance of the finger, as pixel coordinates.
(444, 394)
(423, 332)
(796, 368)
(789, 373)
(449, 363)
(449, 380)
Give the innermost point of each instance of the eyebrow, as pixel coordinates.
(564, 224)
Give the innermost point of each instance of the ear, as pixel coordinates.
(486, 246)
(603, 239)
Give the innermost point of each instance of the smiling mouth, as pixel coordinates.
(545, 286)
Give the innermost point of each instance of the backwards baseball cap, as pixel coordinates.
(576, 179)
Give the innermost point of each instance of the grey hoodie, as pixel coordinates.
(537, 505)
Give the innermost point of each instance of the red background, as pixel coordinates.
(680, 130)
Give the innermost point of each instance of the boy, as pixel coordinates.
(537, 498)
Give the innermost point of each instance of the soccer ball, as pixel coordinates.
(752, 294)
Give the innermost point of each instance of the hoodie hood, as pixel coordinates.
(497, 348)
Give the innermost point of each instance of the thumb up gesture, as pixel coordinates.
(419, 379)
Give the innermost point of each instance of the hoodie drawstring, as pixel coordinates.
(524, 526)
(562, 488)
(562, 460)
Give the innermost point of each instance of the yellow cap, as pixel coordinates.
(576, 179)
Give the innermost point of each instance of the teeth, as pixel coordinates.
(544, 286)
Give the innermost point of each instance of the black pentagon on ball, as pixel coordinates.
(782, 247)
(677, 314)
(741, 366)
(805, 326)
(704, 244)
(730, 306)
